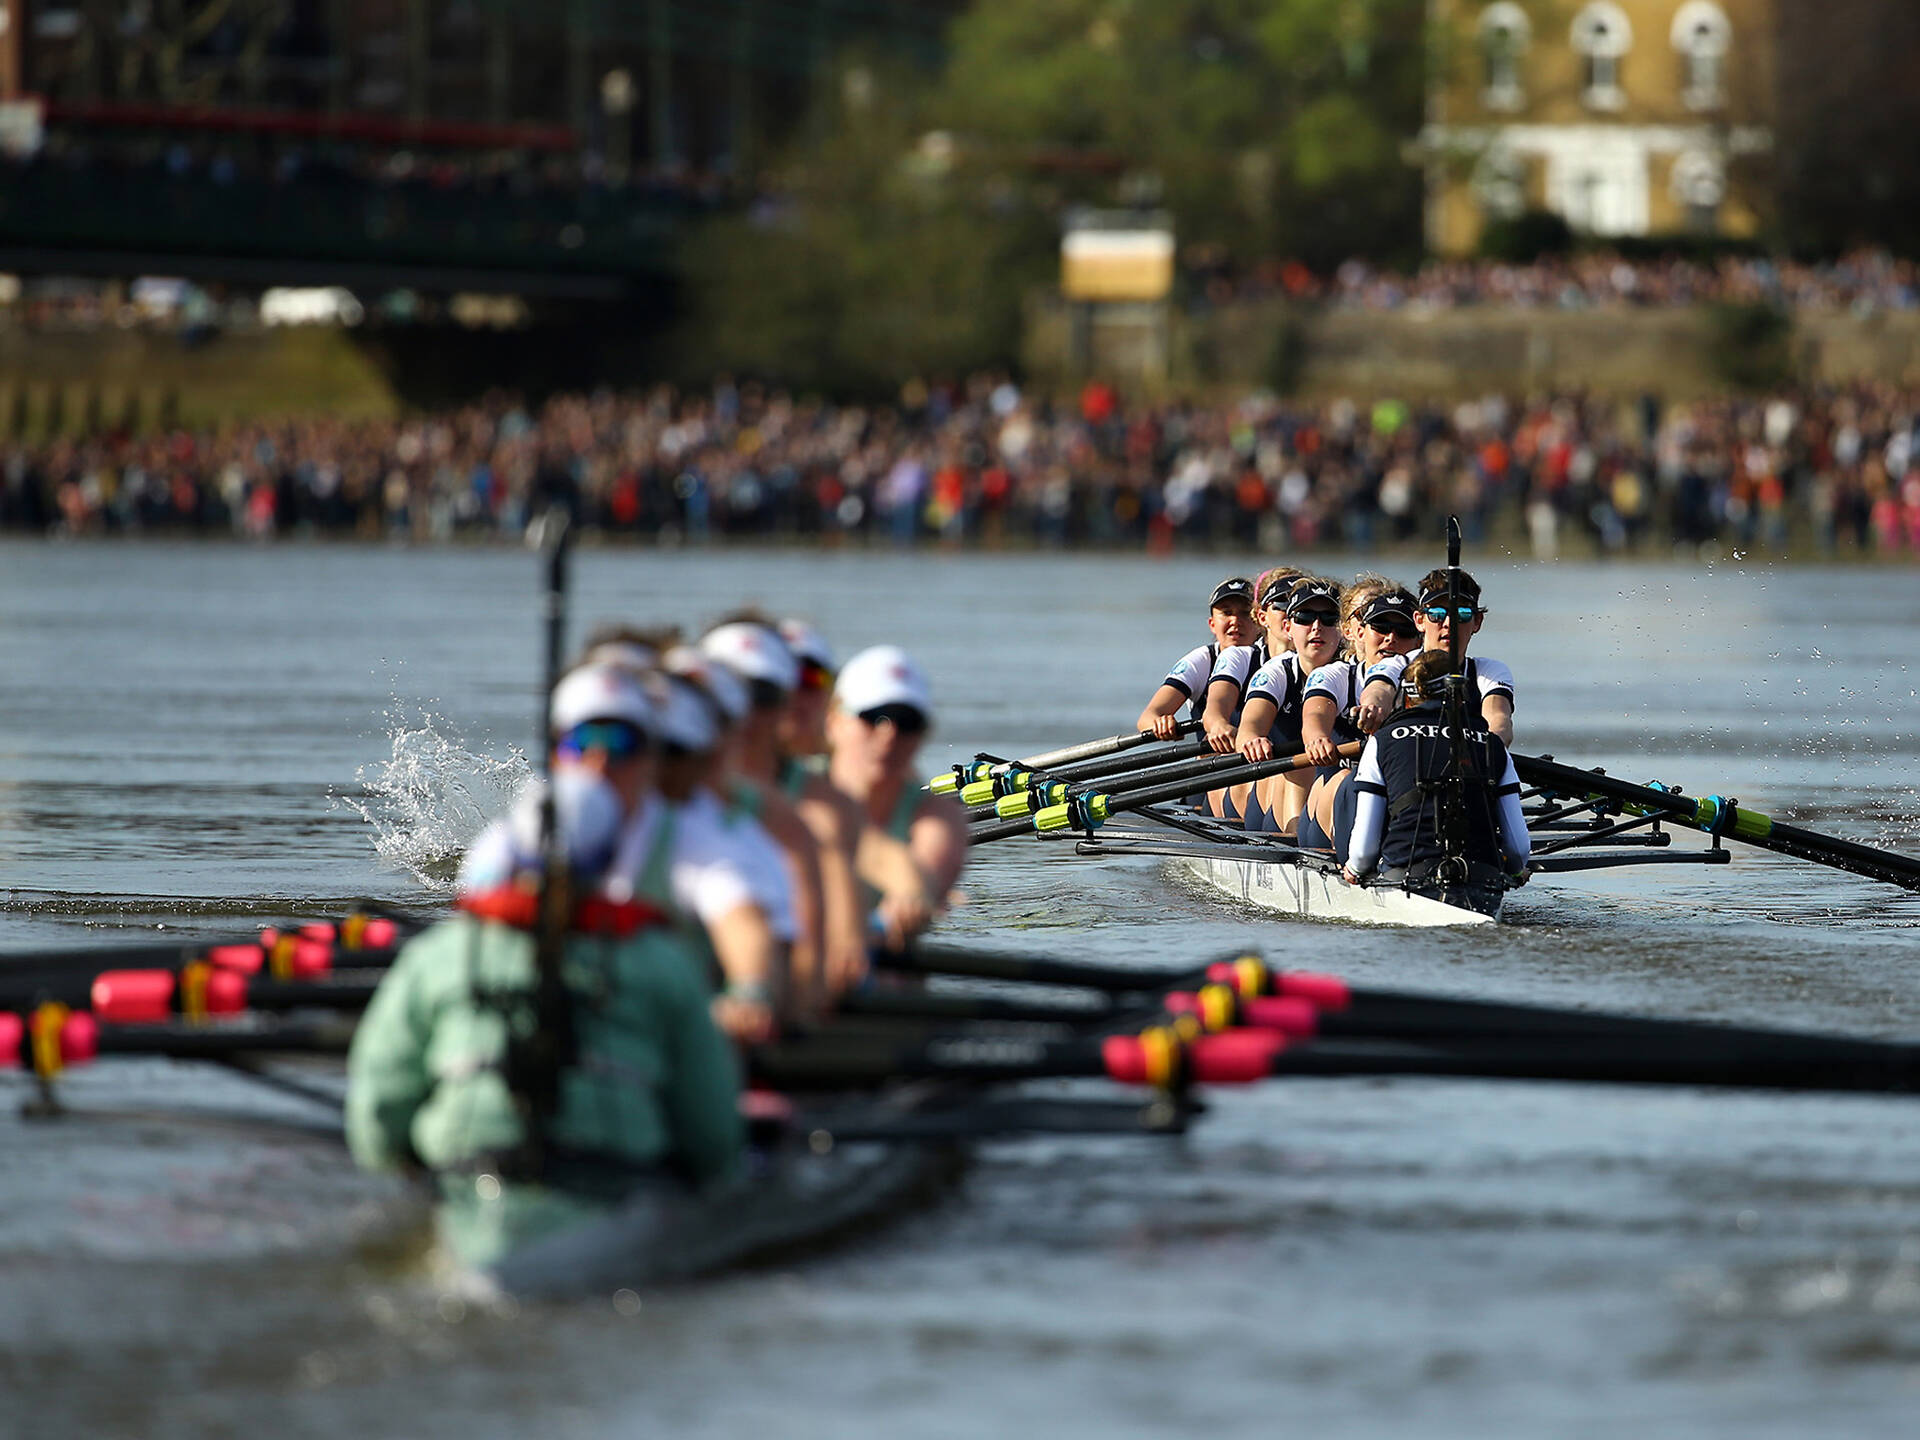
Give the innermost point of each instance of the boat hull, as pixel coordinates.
(794, 1196)
(1289, 886)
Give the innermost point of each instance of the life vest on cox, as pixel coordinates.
(519, 909)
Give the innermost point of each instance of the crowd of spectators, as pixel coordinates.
(1865, 280)
(983, 463)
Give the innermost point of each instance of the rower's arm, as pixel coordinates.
(1497, 711)
(1217, 721)
(749, 955)
(387, 1076)
(834, 820)
(937, 841)
(1255, 721)
(806, 961)
(1370, 813)
(1162, 715)
(1318, 714)
(1376, 703)
(1514, 840)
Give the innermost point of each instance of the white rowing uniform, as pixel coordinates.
(1490, 677)
(719, 862)
(1282, 682)
(1189, 675)
(1237, 665)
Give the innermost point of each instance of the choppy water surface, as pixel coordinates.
(191, 738)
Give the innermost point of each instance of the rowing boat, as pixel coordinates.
(1274, 875)
(810, 1186)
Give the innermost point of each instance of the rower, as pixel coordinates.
(818, 840)
(1379, 624)
(803, 735)
(522, 1144)
(717, 869)
(1233, 673)
(1270, 722)
(1230, 620)
(1401, 791)
(1488, 679)
(882, 711)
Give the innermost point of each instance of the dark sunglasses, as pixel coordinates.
(1315, 617)
(1438, 613)
(617, 738)
(814, 676)
(904, 718)
(1398, 629)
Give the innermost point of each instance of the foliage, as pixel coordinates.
(1752, 345)
(1526, 237)
(921, 210)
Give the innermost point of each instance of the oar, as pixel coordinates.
(1717, 816)
(983, 794)
(1089, 811)
(69, 976)
(1040, 792)
(960, 775)
(55, 1037)
(1857, 1066)
(1303, 1005)
(1038, 970)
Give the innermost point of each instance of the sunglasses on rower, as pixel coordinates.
(904, 718)
(1315, 617)
(617, 738)
(1439, 614)
(814, 676)
(1398, 629)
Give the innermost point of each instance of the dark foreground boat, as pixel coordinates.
(812, 1186)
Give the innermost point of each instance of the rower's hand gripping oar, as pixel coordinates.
(1719, 817)
(983, 768)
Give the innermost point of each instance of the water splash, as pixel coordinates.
(432, 795)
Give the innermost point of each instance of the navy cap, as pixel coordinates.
(1238, 588)
(1312, 592)
(1389, 605)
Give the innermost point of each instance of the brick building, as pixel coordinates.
(1625, 117)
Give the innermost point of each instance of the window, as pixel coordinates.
(1601, 38)
(1505, 34)
(1698, 183)
(1701, 36)
(1500, 183)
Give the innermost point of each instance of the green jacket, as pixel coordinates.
(655, 1083)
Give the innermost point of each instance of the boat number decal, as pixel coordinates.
(985, 1051)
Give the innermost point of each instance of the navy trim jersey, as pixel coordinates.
(1341, 682)
(1281, 681)
(1401, 785)
(1190, 673)
(1488, 677)
(1237, 665)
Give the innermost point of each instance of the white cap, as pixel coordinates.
(720, 683)
(883, 675)
(626, 654)
(807, 643)
(753, 652)
(685, 719)
(598, 692)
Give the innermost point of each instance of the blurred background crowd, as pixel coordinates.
(984, 463)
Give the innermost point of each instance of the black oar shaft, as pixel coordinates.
(1867, 1068)
(1036, 970)
(1849, 855)
(1094, 749)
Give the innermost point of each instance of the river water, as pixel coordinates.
(193, 738)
